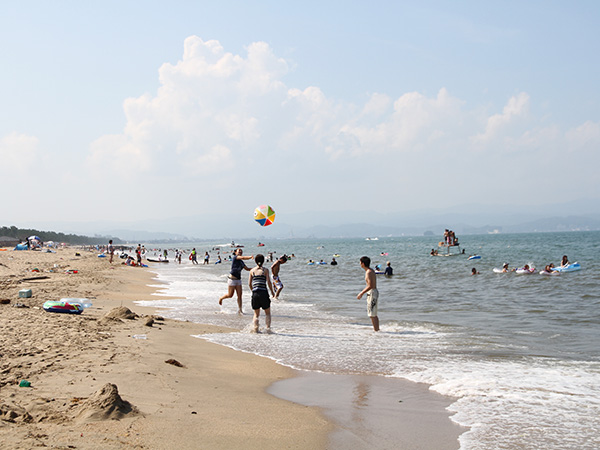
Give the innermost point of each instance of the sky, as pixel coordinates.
(130, 110)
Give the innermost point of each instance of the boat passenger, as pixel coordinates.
(565, 261)
(505, 268)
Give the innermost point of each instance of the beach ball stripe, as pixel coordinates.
(264, 215)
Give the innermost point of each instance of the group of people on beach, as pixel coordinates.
(261, 282)
(258, 281)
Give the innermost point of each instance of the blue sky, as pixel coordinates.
(132, 109)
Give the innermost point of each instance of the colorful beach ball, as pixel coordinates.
(264, 215)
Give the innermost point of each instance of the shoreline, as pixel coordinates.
(399, 413)
(222, 398)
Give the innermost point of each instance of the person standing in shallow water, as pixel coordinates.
(371, 291)
(258, 282)
(234, 281)
(275, 272)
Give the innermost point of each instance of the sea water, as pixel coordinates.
(520, 353)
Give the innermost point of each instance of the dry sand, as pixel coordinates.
(74, 362)
(102, 382)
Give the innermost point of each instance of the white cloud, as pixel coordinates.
(19, 150)
(216, 112)
(585, 137)
(414, 121)
(514, 111)
(209, 100)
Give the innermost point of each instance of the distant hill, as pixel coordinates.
(578, 215)
(45, 236)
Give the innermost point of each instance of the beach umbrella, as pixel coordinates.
(31, 238)
(264, 215)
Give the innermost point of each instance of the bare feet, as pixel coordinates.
(221, 301)
(240, 312)
(269, 331)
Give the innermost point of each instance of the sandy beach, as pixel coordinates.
(102, 380)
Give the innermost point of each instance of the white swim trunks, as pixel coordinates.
(233, 282)
(372, 298)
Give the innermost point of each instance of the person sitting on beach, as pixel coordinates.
(565, 261)
(234, 281)
(388, 270)
(258, 281)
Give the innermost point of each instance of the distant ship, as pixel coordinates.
(372, 239)
(496, 231)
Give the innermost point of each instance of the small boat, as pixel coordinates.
(474, 257)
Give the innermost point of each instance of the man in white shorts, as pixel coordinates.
(371, 291)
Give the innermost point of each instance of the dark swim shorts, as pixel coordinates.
(260, 299)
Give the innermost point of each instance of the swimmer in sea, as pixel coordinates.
(474, 271)
(388, 269)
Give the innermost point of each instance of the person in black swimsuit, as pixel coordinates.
(258, 281)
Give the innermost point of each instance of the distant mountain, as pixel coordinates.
(464, 219)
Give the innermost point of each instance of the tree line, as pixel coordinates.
(45, 236)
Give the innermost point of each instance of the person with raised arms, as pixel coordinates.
(234, 280)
